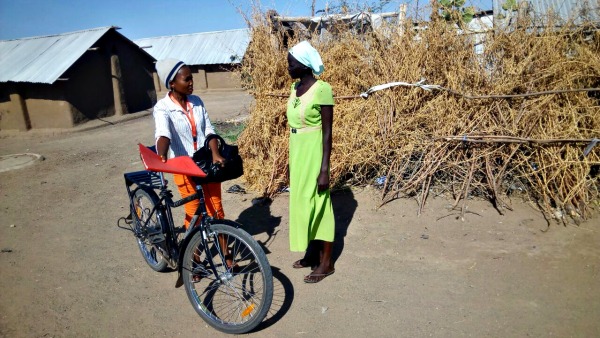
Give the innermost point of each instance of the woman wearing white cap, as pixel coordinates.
(182, 125)
(310, 116)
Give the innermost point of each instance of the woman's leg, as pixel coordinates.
(326, 260)
(325, 267)
(312, 256)
(214, 208)
(212, 198)
(186, 187)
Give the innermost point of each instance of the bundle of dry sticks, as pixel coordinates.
(516, 118)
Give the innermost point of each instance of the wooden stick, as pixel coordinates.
(507, 139)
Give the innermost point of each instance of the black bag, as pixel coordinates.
(233, 167)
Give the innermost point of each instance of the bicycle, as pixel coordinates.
(226, 273)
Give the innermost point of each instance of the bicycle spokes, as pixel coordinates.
(238, 290)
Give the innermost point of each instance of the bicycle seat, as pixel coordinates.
(183, 165)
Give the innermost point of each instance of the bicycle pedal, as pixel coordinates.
(200, 271)
(155, 235)
(157, 238)
(151, 231)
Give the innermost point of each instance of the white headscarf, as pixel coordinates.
(308, 56)
(167, 70)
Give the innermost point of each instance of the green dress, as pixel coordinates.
(311, 213)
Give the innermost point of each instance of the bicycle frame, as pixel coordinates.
(200, 221)
(212, 256)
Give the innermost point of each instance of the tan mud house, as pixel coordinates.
(59, 81)
(211, 55)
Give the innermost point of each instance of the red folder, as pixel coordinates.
(179, 165)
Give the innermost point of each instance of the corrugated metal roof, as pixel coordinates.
(44, 59)
(567, 11)
(206, 48)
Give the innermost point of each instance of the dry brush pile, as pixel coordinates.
(440, 142)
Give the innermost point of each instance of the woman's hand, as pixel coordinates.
(218, 159)
(323, 181)
(327, 122)
(214, 149)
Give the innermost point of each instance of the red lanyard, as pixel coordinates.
(189, 113)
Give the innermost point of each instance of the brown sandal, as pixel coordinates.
(302, 263)
(317, 277)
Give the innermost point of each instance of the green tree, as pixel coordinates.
(454, 11)
(510, 5)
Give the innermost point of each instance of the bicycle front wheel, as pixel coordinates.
(237, 298)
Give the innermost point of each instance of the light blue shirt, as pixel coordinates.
(172, 123)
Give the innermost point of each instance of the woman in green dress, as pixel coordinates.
(310, 116)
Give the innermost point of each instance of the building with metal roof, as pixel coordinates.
(59, 81)
(211, 55)
(562, 12)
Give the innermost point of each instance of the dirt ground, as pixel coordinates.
(66, 270)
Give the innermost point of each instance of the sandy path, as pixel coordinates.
(66, 270)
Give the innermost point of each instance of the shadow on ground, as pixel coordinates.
(257, 219)
(344, 207)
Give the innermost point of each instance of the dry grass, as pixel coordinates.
(402, 133)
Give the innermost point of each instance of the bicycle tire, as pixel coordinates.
(143, 204)
(238, 298)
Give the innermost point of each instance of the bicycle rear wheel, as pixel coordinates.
(151, 235)
(238, 298)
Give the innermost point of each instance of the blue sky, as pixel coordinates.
(151, 18)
